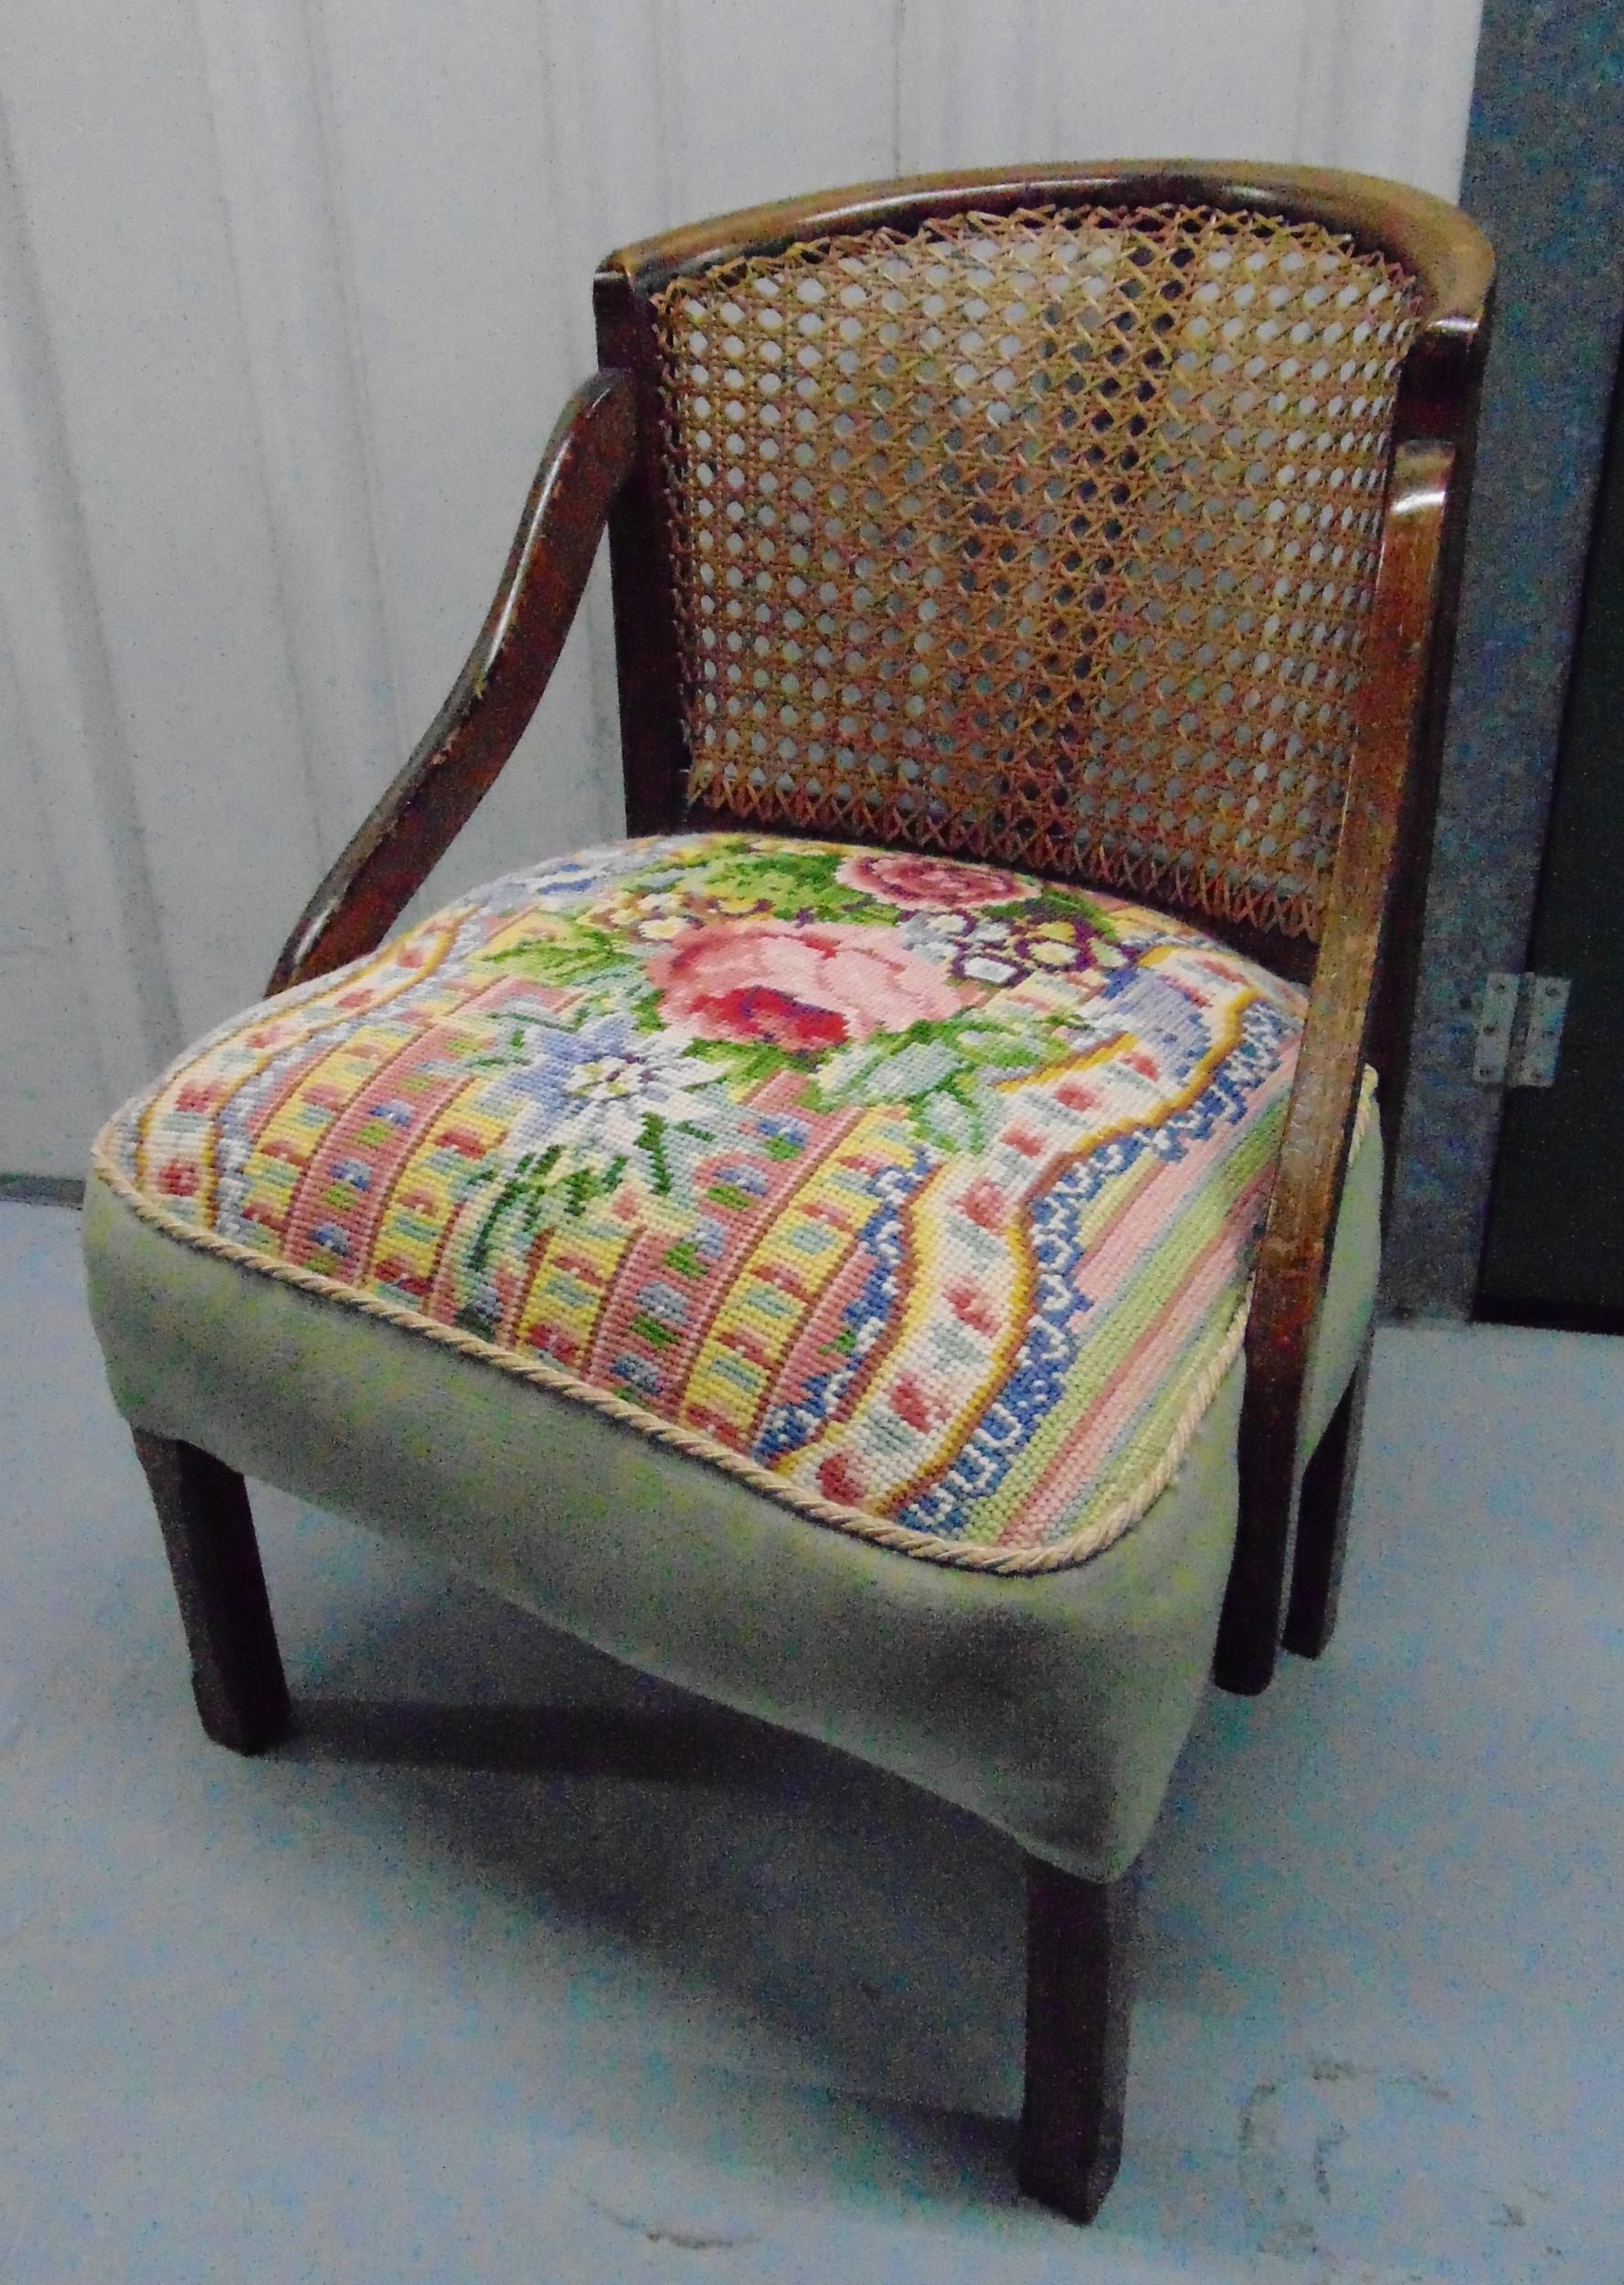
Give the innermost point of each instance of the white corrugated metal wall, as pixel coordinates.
(290, 294)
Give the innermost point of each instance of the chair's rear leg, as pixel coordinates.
(208, 1531)
(1322, 1510)
(1079, 1978)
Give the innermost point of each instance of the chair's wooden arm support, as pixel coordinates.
(1296, 1250)
(589, 457)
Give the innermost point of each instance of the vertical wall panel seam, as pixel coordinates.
(1321, 28)
(899, 50)
(91, 808)
(332, 143)
(356, 352)
(234, 223)
(595, 623)
(1039, 72)
(334, 632)
(660, 66)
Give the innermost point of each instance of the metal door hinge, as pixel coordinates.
(1520, 1030)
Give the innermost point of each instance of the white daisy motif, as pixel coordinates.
(612, 1096)
(596, 1089)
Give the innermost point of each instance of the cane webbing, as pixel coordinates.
(1047, 537)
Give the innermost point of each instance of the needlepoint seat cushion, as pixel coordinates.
(918, 1194)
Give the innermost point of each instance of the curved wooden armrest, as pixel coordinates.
(1296, 1250)
(589, 457)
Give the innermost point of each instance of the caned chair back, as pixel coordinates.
(1039, 526)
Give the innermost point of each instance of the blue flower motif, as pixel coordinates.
(593, 1092)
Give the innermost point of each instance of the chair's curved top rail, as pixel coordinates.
(1447, 255)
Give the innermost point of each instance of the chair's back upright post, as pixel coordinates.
(1365, 976)
(653, 745)
(1443, 385)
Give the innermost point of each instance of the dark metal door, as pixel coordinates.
(1554, 1253)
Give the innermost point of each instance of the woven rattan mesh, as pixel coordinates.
(1047, 537)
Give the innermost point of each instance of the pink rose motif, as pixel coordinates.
(799, 987)
(921, 884)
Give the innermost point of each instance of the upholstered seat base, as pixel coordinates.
(920, 1195)
(1053, 1706)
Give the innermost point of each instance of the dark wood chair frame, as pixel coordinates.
(601, 472)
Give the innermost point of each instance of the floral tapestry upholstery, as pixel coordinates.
(922, 1195)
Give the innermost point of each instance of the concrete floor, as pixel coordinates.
(440, 1994)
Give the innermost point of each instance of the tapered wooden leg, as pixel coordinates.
(1079, 1977)
(208, 1531)
(1323, 1507)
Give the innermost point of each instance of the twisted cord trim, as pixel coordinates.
(922, 1546)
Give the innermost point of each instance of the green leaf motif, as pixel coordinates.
(744, 1063)
(790, 882)
(539, 1194)
(570, 952)
(653, 1143)
(898, 1067)
(953, 1120)
(945, 1074)
(1054, 901)
(1015, 1039)
(887, 1074)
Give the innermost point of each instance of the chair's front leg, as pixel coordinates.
(1323, 1507)
(1079, 1980)
(208, 1532)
